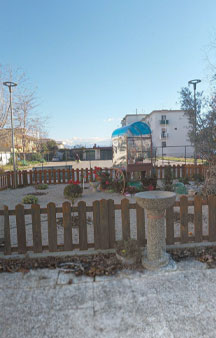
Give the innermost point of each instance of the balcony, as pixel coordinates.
(164, 121)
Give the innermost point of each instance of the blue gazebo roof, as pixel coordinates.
(134, 129)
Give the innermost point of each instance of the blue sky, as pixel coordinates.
(93, 61)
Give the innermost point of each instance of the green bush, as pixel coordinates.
(72, 191)
(30, 199)
(41, 186)
(36, 157)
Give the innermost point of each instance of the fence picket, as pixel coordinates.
(82, 175)
(52, 228)
(198, 218)
(170, 226)
(212, 218)
(67, 223)
(21, 230)
(36, 228)
(35, 177)
(174, 171)
(54, 176)
(125, 214)
(45, 176)
(77, 175)
(20, 178)
(7, 239)
(59, 176)
(96, 222)
(91, 174)
(104, 225)
(140, 222)
(184, 218)
(87, 179)
(178, 171)
(72, 175)
(50, 176)
(40, 176)
(111, 221)
(82, 226)
(63, 175)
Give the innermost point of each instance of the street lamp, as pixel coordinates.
(194, 83)
(10, 85)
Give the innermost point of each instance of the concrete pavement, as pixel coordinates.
(52, 303)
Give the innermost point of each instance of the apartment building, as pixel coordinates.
(169, 131)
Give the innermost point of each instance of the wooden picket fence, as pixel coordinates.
(104, 224)
(3, 181)
(85, 175)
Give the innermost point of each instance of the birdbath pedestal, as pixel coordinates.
(155, 203)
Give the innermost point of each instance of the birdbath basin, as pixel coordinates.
(155, 203)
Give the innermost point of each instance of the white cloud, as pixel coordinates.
(112, 119)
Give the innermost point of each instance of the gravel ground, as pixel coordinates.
(55, 194)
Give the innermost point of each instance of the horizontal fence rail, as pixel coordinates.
(109, 223)
(62, 176)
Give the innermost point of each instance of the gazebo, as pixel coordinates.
(132, 148)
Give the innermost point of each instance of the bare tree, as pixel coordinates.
(27, 121)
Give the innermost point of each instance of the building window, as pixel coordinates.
(163, 144)
(163, 117)
(175, 128)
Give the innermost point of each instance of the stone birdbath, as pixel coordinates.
(155, 203)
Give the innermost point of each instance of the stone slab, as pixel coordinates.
(177, 303)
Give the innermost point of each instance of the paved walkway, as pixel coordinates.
(51, 303)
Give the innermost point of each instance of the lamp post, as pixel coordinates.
(10, 85)
(194, 83)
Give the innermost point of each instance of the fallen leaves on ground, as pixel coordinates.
(89, 265)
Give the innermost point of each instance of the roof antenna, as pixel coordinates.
(136, 111)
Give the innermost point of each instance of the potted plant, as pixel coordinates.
(128, 251)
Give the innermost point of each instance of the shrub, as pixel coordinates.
(30, 199)
(36, 157)
(41, 186)
(72, 191)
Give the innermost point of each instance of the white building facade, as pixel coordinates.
(169, 131)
